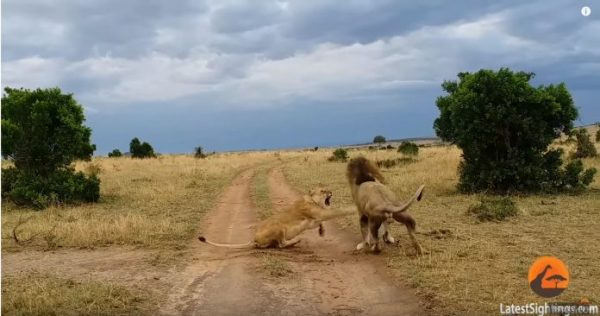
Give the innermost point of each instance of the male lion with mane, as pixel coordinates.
(281, 230)
(377, 204)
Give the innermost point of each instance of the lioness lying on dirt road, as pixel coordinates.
(281, 230)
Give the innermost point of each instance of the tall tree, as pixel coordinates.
(504, 126)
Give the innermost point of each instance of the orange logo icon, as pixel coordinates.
(548, 277)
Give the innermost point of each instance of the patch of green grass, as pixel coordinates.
(275, 266)
(491, 208)
(260, 192)
(44, 294)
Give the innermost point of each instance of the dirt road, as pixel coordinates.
(328, 278)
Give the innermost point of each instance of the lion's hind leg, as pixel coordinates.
(289, 243)
(411, 225)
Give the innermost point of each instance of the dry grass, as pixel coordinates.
(260, 192)
(151, 203)
(471, 267)
(44, 294)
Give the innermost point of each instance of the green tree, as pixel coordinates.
(141, 150)
(115, 153)
(43, 133)
(339, 154)
(504, 126)
(408, 148)
(379, 139)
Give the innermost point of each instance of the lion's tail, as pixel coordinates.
(249, 244)
(361, 170)
(396, 209)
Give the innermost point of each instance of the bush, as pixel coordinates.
(389, 147)
(115, 153)
(62, 186)
(389, 163)
(408, 148)
(504, 127)
(575, 177)
(43, 133)
(199, 153)
(339, 154)
(584, 148)
(141, 150)
(494, 209)
(379, 139)
(316, 148)
(598, 133)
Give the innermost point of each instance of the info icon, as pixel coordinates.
(586, 11)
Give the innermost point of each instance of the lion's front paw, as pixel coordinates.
(360, 246)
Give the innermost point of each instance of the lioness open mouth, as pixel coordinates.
(327, 200)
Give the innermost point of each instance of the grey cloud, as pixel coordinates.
(245, 16)
(119, 28)
(267, 61)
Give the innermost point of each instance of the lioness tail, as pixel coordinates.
(249, 244)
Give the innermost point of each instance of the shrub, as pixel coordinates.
(389, 147)
(494, 208)
(62, 186)
(316, 148)
(43, 133)
(408, 148)
(141, 150)
(389, 163)
(115, 153)
(379, 139)
(504, 127)
(575, 177)
(339, 154)
(199, 152)
(584, 148)
(598, 133)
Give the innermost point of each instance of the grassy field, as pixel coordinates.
(471, 267)
(45, 294)
(148, 203)
(155, 204)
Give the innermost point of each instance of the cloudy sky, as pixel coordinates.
(232, 75)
